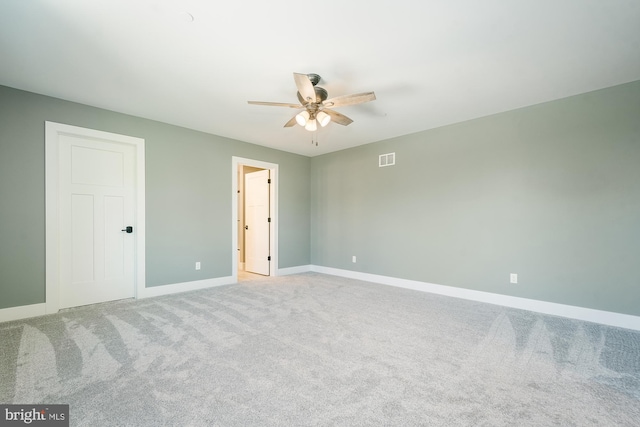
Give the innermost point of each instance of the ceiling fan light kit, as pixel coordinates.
(323, 118)
(314, 102)
(301, 118)
(311, 125)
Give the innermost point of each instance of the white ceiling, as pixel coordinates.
(430, 63)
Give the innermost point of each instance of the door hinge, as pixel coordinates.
(269, 181)
(268, 219)
(269, 258)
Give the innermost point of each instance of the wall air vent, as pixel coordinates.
(388, 159)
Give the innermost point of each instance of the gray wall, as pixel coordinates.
(550, 192)
(188, 195)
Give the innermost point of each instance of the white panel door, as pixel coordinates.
(256, 211)
(96, 203)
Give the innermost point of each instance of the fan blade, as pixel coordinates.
(276, 104)
(305, 87)
(341, 101)
(291, 122)
(338, 118)
(302, 100)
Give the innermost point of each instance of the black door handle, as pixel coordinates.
(129, 229)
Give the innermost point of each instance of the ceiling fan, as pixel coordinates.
(316, 106)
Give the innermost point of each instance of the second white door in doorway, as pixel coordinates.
(257, 222)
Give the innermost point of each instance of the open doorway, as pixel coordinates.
(255, 218)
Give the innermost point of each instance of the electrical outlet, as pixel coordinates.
(513, 277)
(198, 265)
(353, 259)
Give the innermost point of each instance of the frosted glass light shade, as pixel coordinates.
(323, 118)
(302, 118)
(311, 125)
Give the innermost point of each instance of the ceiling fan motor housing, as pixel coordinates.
(321, 96)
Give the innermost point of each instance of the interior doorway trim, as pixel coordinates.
(52, 220)
(273, 212)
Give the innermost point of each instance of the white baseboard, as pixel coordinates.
(580, 313)
(184, 287)
(293, 270)
(22, 312)
(34, 310)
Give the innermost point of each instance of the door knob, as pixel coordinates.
(129, 229)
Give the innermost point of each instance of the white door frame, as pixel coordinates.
(273, 212)
(52, 221)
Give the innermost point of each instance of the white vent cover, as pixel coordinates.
(388, 159)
